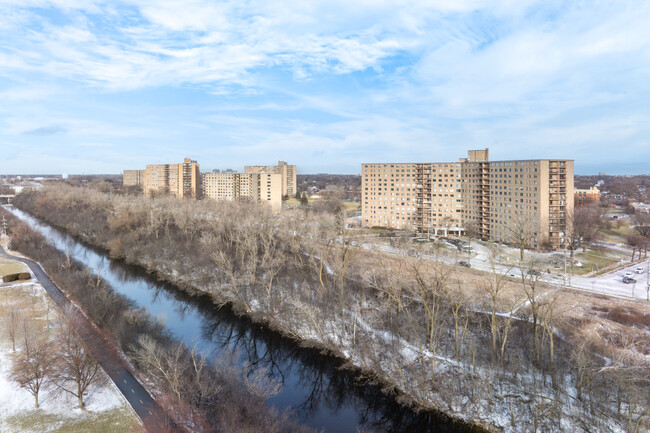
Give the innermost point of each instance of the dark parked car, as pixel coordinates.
(628, 280)
(464, 264)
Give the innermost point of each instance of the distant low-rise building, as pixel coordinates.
(586, 196)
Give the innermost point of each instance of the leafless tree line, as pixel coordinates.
(208, 396)
(415, 322)
(56, 360)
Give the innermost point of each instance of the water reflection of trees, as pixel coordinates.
(326, 384)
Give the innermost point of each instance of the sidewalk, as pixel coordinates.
(152, 415)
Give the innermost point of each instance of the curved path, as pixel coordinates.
(152, 415)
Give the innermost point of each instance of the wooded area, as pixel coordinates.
(480, 346)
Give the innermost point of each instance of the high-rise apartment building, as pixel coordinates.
(181, 180)
(287, 172)
(496, 200)
(133, 178)
(259, 187)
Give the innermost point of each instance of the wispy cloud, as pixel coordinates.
(46, 130)
(408, 79)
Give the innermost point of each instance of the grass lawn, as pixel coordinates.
(616, 234)
(292, 201)
(11, 267)
(117, 420)
(107, 411)
(348, 205)
(595, 260)
(351, 205)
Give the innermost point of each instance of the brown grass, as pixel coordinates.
(8, 266)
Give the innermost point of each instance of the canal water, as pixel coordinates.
(314, 389)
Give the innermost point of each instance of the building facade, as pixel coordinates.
(258, 187)
(287, 173)
(586, 196)
(181, 180)
(495, 200)
(133, 178)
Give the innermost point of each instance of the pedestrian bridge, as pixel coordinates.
(6, 198)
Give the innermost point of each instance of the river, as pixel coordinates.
(314, 389)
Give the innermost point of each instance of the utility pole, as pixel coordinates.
(647, 281)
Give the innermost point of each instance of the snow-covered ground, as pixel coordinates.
(609, 284)
(14, 400)
(55, 409)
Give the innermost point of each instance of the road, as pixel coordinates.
(152, 415)
(612, 282)
(609, 284)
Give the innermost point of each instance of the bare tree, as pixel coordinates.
(429, 291)
(549, 316)
(584, 223)
(637, 242)
(521, 232)
(494, 286)
(459, 302)
(188, 219)
(642, 227)
(532, 290)
(75, 369)
(471, 232)
(165, 364)
(12, 322)
(32, 367)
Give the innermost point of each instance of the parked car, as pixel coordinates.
(628, 280)
(464, 264)
(629, 274)
(639, 270)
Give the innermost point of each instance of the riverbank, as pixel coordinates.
(106, 409)
(401, 415)
(124, 326)
(349, 321)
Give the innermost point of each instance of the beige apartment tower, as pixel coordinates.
(258, 187)
(181, 180)
(133, 178)
(287, 172)
(496, 200)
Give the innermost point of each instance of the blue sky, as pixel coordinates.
(97, 87)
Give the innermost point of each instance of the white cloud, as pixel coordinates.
(407, 77)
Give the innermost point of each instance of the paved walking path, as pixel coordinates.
(152, 415)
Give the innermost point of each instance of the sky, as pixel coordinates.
(101, 86)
